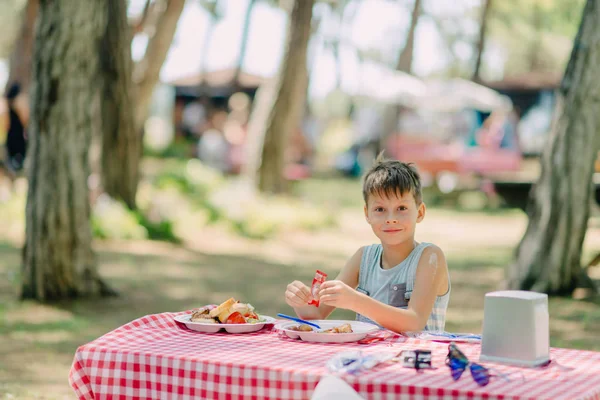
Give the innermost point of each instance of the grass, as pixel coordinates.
(38, 342)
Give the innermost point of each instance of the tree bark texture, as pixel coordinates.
(406, 56)
(392, 112)
(262, 105)
(286, 113)
(58, 261)
(487, 5)
(20, 59)
(536, 58)
(244, 44)
(146, 72)
(121, 142)
(548, 259)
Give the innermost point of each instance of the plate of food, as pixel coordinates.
(332, 331)
(231, 315)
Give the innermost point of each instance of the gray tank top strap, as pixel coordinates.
(368, 261)
(413, 263)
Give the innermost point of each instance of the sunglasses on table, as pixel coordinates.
(417, 359)
(458, 363)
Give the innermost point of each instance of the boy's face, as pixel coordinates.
(393, 219)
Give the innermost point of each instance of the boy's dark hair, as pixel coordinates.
(391, 177)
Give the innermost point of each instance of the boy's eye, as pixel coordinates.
(379, 209)
(402, 208)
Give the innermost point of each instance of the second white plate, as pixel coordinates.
(359, 331)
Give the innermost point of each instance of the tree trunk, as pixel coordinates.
(121, 142)
(58, 261)
(392, 111)
(244, 46)
(548, 259)
(535, 52)
(287, 110)
(147, 71)
(20, 59)
(482, 35)
(406, 56)
(337, 9)
(123, 118)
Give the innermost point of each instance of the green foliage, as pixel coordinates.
(176, 149)
(175, 197)
(540, 30)
(264, 217)
(174, 180)
(190, 177)
(160, 230)
(185, 195)
(213, 212)
(255, 227)
(191, 195)
(113, 220)
(557, 17)
(532, 35)
(192, 181)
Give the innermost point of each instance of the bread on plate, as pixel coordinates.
(223, 310)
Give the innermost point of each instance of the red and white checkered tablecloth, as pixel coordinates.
(155, 357)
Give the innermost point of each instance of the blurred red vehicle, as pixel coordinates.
(465, 143)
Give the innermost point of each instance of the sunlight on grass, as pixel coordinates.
(33, 313)
(12, 215)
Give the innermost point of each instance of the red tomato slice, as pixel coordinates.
(235, 318)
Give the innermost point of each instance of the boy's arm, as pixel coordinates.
(348, 275)
(431, 275)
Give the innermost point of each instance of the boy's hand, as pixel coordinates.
(337, 294)
(297, 294)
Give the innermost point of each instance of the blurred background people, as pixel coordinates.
(16, 136)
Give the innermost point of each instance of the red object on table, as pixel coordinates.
(155, 357)
(319, 278)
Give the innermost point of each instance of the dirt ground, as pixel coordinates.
(37, 342)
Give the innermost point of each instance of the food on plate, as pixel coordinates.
(202, 315)
(301, 328)
(230, 311)
(345, 328)
(223, 310)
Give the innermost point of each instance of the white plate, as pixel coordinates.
(359, 331)
(231, 328)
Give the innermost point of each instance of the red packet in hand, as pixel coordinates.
(319, 278)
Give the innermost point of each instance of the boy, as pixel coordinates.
(399, 284)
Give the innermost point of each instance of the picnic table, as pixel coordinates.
(158, 358)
